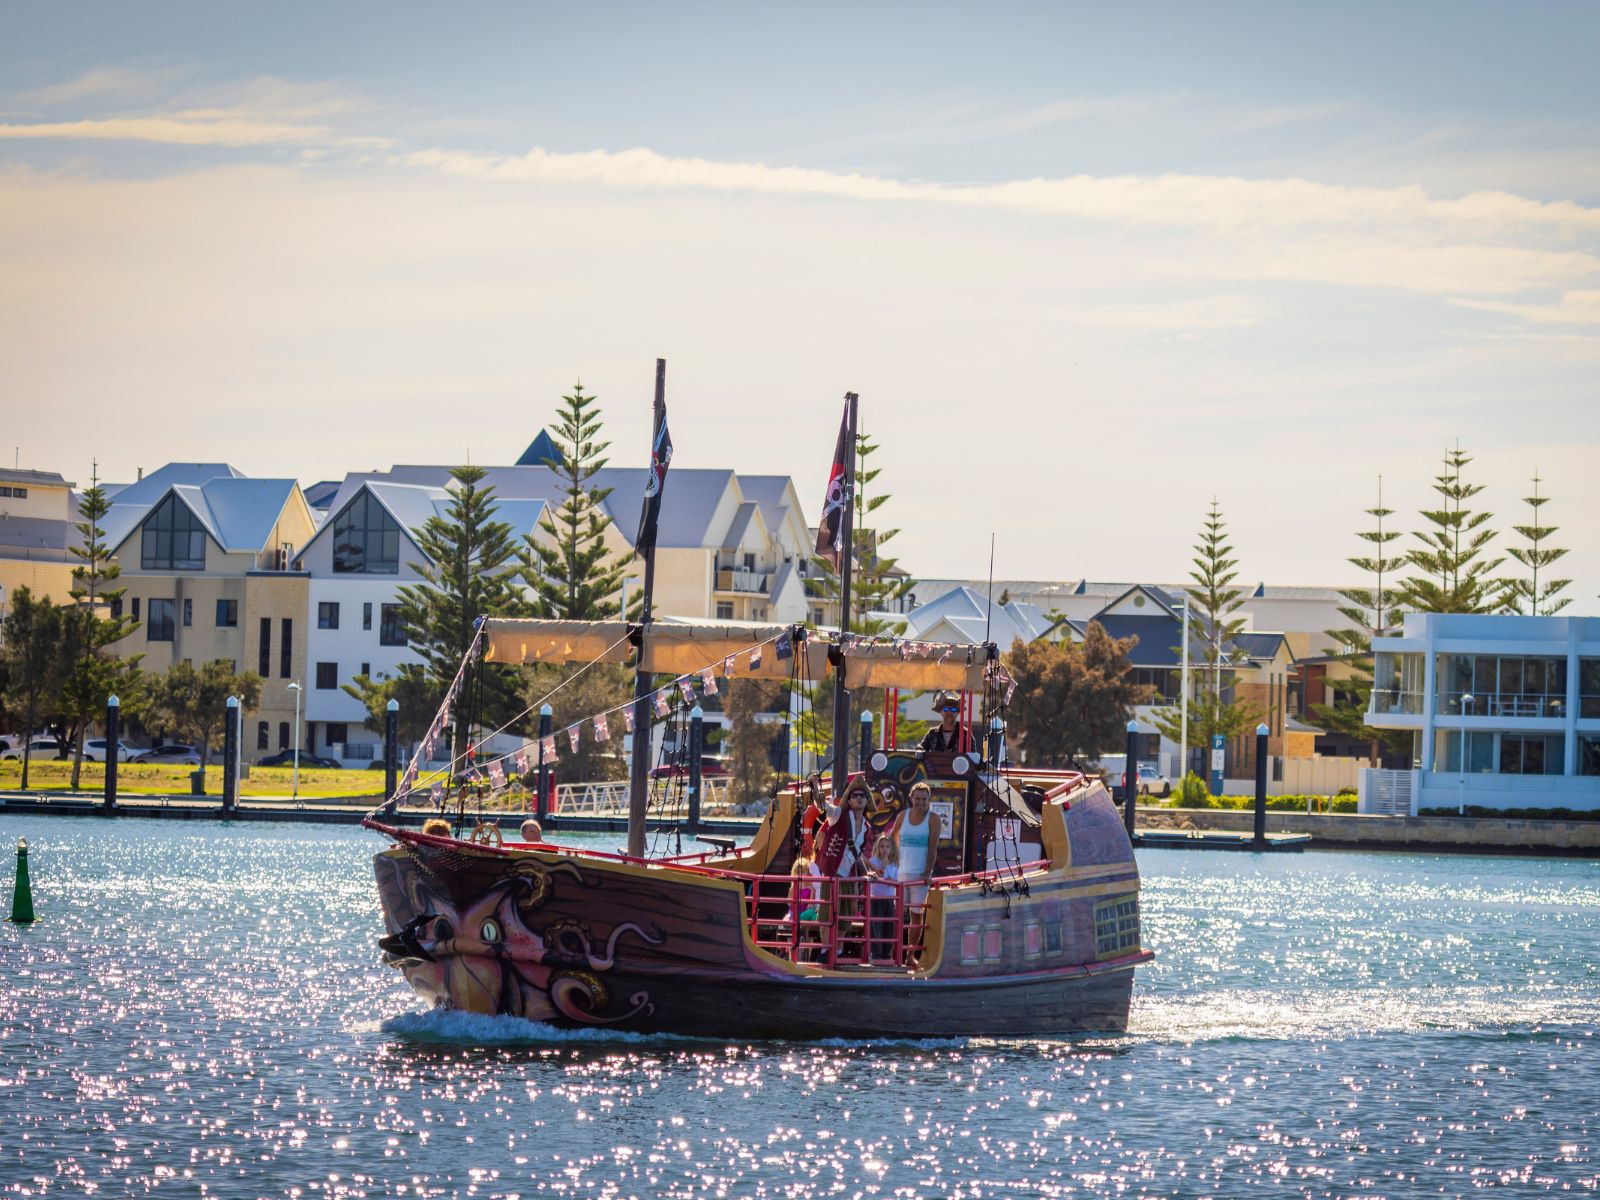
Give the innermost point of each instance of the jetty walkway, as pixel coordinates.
(1328, 831)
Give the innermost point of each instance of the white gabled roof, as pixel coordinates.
(693, 495)
(411, 505)
(239, 513)
(968, 613)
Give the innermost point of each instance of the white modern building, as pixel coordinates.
(357, 562)
(1504, 713)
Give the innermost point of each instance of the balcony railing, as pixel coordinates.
(751, 582)
(1395, 703)
(1502, 704)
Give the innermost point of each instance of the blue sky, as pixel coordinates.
(1088, 265)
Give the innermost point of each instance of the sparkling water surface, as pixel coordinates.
(201, 1011)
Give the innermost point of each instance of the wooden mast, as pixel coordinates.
(639, 774)
(841, 698)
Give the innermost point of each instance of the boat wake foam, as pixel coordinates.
(475, 1029)
(450, 1027)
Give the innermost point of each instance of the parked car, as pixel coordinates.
(1151, 781)
(285, 758)
(678, 764)
(39, 748)
(170, 754)
(94, 750)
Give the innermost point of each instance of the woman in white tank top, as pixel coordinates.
(916, 835)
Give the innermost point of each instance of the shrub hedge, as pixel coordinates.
(1186, 798)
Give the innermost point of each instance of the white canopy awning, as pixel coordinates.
(680, 647)
(529, 640)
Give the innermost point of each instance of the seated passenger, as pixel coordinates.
(436, 827)
(532, 831)
(947, 737)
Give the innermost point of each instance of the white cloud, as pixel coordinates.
(1574, 308)
(203, 128)
(262, 111)
(1484, 243)
(122, 83)
(1187, 201)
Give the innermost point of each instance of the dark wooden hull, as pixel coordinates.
(579, 940)
(835, 1007)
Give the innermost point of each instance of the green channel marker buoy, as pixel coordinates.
(22, 897)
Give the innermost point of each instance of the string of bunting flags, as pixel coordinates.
(493, 770)
(441, 719)
(496, 771)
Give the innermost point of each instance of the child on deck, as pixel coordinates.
(803, 908)
(883, 867)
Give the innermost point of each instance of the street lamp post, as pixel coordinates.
(295, 688)
(1183, 703)
(1461, 792)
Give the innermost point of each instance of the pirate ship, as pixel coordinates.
(1030, 925)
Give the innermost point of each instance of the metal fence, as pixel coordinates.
(610, 799)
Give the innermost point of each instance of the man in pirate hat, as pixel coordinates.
(947, 736)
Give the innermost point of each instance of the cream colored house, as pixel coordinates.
(208, 570)
(37, 515)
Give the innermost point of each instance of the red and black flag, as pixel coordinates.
(656, 484)
(831, 529)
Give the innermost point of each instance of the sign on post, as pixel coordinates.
(1217, 756)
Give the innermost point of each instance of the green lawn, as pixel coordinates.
(151, 779)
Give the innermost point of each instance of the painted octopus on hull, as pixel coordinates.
(489, 957)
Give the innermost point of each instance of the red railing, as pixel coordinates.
(826, 922)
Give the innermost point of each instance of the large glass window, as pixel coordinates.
(172, 539)
(1162, 682)
(366, 539)
(1502, 685)
(390, 630)
(327, 614)
(227, 614)
(1589, 754)
(327, 676)
(1489, 752)
(1531, 753)
(1589, 687)
(159, 620)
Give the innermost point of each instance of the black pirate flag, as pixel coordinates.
(655, 484)
(830, 530)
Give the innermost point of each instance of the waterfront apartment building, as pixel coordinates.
(1504, 713)
(207, 562)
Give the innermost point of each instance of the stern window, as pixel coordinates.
(1116, 927)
